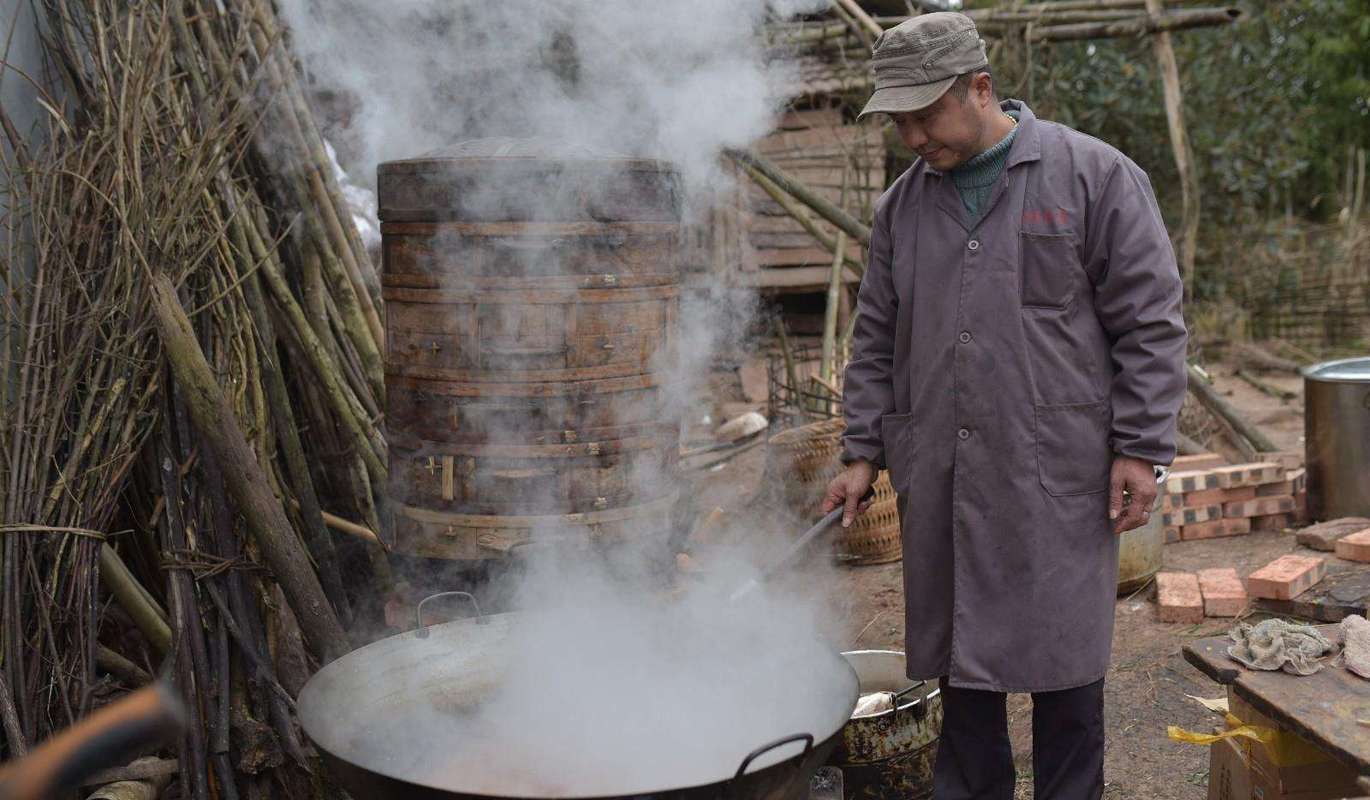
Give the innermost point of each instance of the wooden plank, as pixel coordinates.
(844, 137)
(793, 278)
(1325, 708)
(793, 256)
(809, 118)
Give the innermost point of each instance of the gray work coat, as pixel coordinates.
(996, 370)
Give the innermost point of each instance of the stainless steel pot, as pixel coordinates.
(354, 707)
(890, 754)
(1337, 438)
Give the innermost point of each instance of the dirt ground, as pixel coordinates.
(1148, 682)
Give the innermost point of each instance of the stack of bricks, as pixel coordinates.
(1185, 597)
(1205, 498)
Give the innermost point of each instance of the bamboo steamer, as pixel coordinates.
(802, 461)
(528, 299)
(536, 479)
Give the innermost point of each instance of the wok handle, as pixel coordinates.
(806, 738)
(106, 738)
(421, 630)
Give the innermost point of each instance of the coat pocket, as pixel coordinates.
(1050, 265)
(1073, 456)
(897, 432)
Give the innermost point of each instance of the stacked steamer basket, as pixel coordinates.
(528, 298)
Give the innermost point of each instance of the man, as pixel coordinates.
(1018, 366)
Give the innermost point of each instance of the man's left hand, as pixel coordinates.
(1138, 479)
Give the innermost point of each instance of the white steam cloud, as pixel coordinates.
(651, 78)
(612, 683)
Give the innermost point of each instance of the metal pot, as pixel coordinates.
(453, 668)
(890, 754)
(1337, 438)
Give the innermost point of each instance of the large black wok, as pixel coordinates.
(353, 710)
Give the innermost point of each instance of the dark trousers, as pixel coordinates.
(974, 761)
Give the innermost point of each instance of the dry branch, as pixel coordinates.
(1139, 25)
(243, 476)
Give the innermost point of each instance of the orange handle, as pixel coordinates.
(107, 738)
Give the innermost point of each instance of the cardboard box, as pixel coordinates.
(1229, 777)
(1290, 767)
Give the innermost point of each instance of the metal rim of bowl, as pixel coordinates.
(1310, 372)
(913, 684)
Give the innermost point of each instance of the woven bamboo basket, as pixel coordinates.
(799, 464)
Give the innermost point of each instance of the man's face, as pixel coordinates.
(946, 133)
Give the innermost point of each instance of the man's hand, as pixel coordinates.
(847, 489)
(1138, 479)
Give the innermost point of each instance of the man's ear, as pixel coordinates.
(983, 85)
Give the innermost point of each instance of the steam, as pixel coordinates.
(647, 78)
(615, 680)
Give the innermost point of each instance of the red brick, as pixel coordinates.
(1190, 481)
(1178, 598)
(1260, 507)
(1286, 577)
(1234, 526)
(1289, 459)
(1355, 546)
(1223, 593)
(1172, 534)
(1248, 474)
(1237, 493)
(1198, 461)
(1207, 497)
(1189, 516)
(1271, 522)
(1294, 482)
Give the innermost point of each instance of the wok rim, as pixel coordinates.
(307, 698)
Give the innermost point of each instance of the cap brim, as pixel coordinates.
(899, 99)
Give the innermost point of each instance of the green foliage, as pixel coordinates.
(1271, 105)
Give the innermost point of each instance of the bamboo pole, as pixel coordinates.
(292, 451)
(860, 15)
(1266, 388)
(189, 657)
(1187, 446)
(318, 357)
(149, 618)
(1137, 26)
(804, 194)
(1179, 143)
(243, 476)
(827, 364)
(1205, 393)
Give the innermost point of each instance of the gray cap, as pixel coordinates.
(916, 61)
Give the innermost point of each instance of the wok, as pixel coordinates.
(354, 707)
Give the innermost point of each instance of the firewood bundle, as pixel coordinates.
(193, 390)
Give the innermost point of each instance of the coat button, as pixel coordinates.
(973, 244)
(963, 434)
(964, 337)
